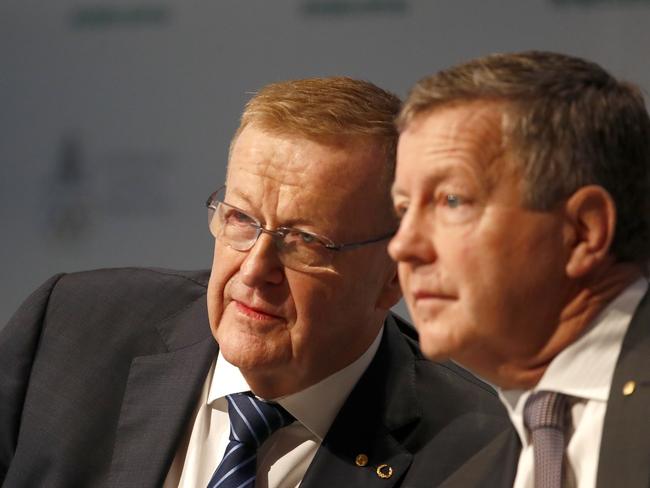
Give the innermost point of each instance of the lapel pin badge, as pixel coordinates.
(384, 471)
(361, 460)
(628, 388)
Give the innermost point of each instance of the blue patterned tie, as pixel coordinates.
(252, 421)
(546, 415)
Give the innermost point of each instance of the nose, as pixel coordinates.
(262, 266)
(413, 242)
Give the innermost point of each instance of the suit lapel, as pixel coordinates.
(383, 402)
(625, 445)
(335, 465)
(160, 396)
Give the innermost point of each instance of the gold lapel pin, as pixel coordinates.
(628, 388)
(384, 471)
(361, 460)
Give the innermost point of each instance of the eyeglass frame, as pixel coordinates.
(279, 233)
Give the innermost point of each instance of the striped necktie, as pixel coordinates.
(546, 415)
(252, 421)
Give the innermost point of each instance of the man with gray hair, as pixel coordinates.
(523, 187)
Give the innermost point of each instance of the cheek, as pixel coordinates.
(505, 270)
(324, 310)
(225, 265)
(308, 328)
(214, 299)
(476, 270)
(461, 257)
(311, 300)
(404, 273)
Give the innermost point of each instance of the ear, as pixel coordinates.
(391, 292)
(591, 214)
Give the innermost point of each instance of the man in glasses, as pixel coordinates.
(314, 384)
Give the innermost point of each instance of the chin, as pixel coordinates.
(431, 347)
(251, 353)
(435, 345)
(246, 359)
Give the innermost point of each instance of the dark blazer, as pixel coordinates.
(100, 373)
(624, 458)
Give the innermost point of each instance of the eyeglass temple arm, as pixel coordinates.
(354, 245)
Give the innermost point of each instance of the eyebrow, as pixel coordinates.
(484, 172)
(296, 223)
(238, 193)
(444, 171)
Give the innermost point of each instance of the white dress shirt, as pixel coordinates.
(584, 371)
(285, 456)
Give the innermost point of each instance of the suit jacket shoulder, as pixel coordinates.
(65, 361)
(625, 445)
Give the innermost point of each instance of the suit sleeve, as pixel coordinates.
(18, 344)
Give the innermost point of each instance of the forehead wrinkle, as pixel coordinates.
(277, 201)
(271, 173)
(456, 161)
(275, 163)
(495, 154)
(291, 203)
(482, 130)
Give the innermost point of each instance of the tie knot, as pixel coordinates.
(252, 420)
(546, 409)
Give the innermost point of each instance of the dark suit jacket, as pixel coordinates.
(100, 373)
(624, 459)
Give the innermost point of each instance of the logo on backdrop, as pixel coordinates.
(352, 7)
(107, 16)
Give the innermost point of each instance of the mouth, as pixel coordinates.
(426, 306)
(255, 313)
(424, 296)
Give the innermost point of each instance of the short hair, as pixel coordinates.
(327, 109)
(568, 122)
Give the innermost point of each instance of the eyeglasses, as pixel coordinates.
(296, 248)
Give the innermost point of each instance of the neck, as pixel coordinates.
(591, 296)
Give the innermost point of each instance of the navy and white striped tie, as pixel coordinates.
(252, 421)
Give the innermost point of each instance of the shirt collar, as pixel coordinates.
(585, 368)
(315, 407)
